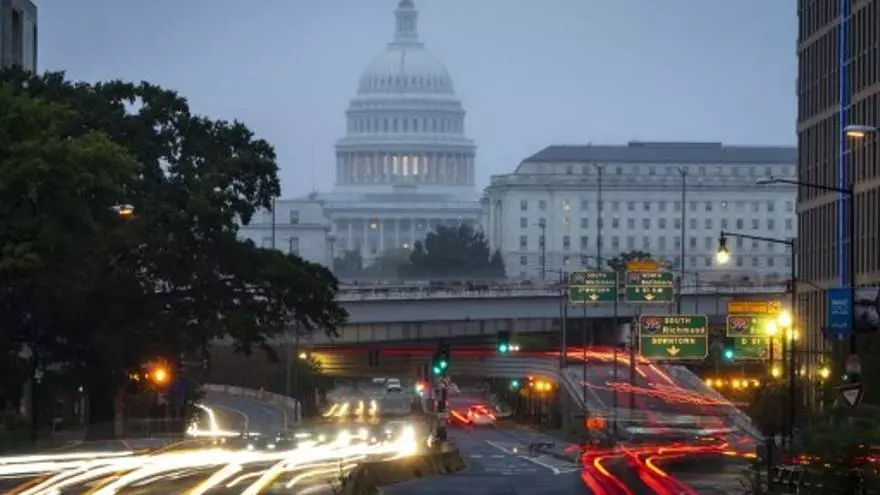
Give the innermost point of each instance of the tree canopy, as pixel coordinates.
(98, 290)
(456, 252)
(618, 263)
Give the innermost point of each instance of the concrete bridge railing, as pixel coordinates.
(380, 293)
(291, 407)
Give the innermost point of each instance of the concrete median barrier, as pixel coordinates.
(369, 476)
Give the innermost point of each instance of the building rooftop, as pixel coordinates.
(666, 152)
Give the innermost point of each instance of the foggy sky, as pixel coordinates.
(530, 73)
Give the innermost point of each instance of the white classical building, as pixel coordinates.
(545, 215)
(297, 226)
(405, 165)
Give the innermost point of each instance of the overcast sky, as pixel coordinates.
(530, 73)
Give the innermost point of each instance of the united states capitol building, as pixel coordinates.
(405, 166)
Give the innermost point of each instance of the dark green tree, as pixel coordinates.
(173, 276)
(456, 252)
(349, 265)
(391, 264)
(57, 189)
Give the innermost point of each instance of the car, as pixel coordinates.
(480, 416)
(394, 388)
(285, 440)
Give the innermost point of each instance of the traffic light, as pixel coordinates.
(503, 345)
(421, 387)
(157, 374)
(373, 357)
(729, 354)
(440, 363)
(514, 384)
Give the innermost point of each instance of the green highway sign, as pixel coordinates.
(674, 336)
(650, 287)
(752, 347)
(590, 287)
(749, 336)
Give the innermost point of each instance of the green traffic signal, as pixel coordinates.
(503, 348)
(728, 354)
(514, 384)
(437, 370)
(443, 364)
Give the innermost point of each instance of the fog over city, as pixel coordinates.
(528, 73)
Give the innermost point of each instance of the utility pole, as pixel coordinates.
(563, 314)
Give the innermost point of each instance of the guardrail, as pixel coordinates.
(290, 407)
(417, 293)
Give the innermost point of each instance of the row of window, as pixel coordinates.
(662, 223)
(709, 243)
(661, 206)
(669, 170)
(402, 124)
(398, 82)
(707, 261)
(292, 217)
(291, 243)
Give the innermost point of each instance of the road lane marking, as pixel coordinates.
(536, 460)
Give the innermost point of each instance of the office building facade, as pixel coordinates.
(18, 34)
(838, 85)
(545, 215)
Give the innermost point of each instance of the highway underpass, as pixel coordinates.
(656, 393)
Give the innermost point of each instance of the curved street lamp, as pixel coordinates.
(723, 254)
(858, 131)
(123, 210)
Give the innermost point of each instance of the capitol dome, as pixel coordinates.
(405, 126)
(405, 66)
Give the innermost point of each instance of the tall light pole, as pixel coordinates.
(683, 172)
(543, 226)
(600, 171)
(848, 277)
(273, 223)
(723, 256)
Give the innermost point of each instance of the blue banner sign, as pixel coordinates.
(840, 310)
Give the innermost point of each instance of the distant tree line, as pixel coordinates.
(448, 252)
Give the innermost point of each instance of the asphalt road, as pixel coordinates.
(499, 464)
(256, 416)
(715, 475)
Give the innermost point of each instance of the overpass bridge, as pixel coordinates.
(395, 314)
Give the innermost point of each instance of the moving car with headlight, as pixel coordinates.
(478, 415)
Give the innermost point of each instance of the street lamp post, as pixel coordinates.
(723, 256)
(273, 223)
(543, 226)
(683, 172)
(600, 170)
(854, 131)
